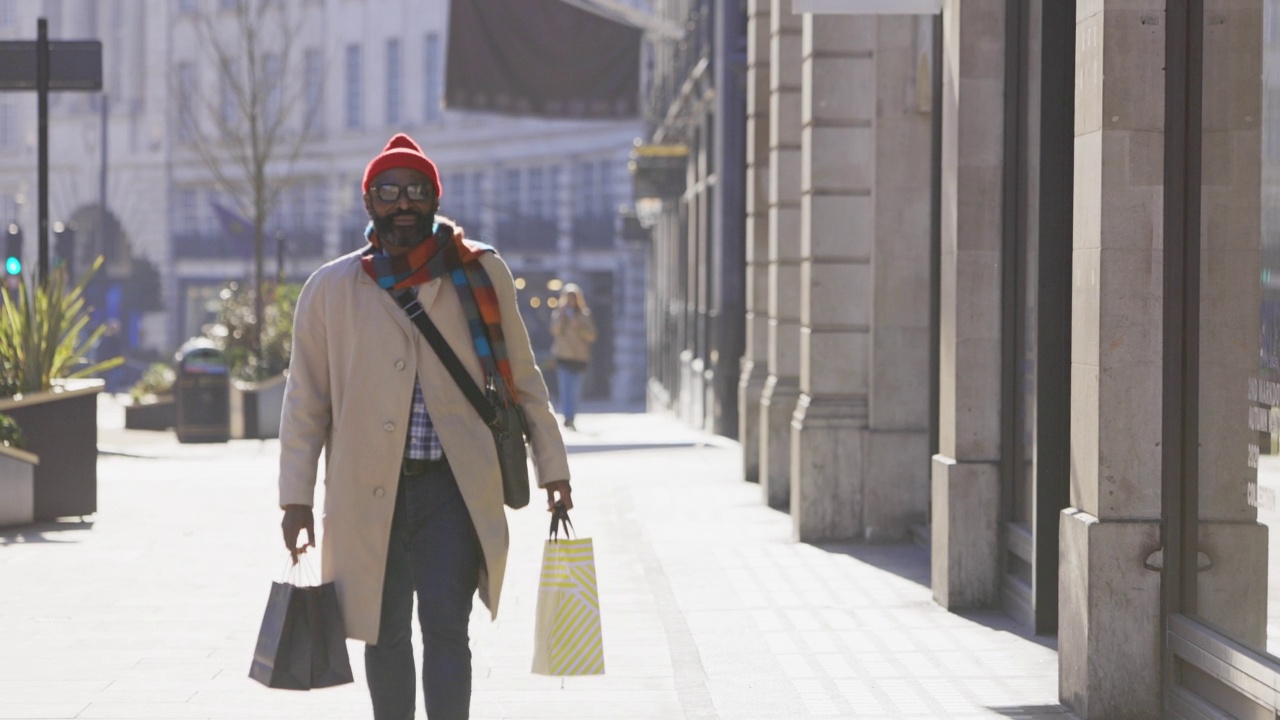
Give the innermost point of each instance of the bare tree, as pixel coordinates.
(252, 129)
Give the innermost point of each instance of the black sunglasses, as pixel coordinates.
(390, 192)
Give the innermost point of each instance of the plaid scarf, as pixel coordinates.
(437, 256)
(446, 252)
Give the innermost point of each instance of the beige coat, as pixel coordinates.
(573, 335)
(355, 354)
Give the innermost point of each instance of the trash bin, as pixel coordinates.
(202, 393)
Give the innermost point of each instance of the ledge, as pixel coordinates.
(16, 454)
(259, 385)
(68, 389)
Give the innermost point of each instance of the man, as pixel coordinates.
(413, 490)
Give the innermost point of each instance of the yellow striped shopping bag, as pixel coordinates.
(567, 638)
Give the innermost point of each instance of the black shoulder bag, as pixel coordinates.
(506, 419)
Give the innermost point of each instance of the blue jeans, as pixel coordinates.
(435, 552)
(570, 383)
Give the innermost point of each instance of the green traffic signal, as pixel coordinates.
(13, 250)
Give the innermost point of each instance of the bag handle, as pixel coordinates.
(408, 301)
(560, 517)
(299, 572)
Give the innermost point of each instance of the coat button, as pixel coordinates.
(389, 426)
(378, 492)
(399, 364)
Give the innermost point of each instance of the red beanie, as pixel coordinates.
(402, 152)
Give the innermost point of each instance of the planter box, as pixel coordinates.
(61, 428)
(17, 486)
(256, 408)
(159, 415)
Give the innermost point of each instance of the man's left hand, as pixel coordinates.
(562, 488)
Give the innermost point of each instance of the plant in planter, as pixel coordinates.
(17, 475)
(45, 338)
(155, 384)
(152, 406)
(10, 434)
(233, 333)
(257, 391)
(43, 335)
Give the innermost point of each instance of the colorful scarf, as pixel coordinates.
(446, 252)
(434, 257)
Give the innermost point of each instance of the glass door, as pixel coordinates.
(1225, 634)
(1037, 382)
(1235, 501)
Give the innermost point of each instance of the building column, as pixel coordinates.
(1109, 626)
(755, 361)
(782, 386)
(629, 384)
(966, 470)
(837, 245)
(726, 297)
(896, 471)
(1110, 630)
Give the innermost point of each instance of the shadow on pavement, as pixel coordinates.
(619, 447)
(997, 620)
(622, 407)
(907, 561)
(39, 533)
(1033, 712)
(910, 561)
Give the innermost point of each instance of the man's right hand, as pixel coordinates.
(296, 519)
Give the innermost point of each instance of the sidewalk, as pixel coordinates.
(151, 609)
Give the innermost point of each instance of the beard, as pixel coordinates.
(404, 236)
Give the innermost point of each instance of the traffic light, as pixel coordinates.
(64, 243)
(13, 250)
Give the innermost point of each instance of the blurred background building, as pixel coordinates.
(690, 192)
(546, 193)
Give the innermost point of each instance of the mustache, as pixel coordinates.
(398, 235)
(407, 213)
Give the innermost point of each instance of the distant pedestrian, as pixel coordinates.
(413, 490)
(573, 330)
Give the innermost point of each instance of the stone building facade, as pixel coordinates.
(690, 190)
(1012, 290)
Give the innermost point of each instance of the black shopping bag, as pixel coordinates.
(302, 643)
(329, 662)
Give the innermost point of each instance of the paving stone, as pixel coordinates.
(151, 608)
(34, 691)
(32, 711)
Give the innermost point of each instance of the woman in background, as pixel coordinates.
(573, 331)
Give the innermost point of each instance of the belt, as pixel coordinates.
(414, 466)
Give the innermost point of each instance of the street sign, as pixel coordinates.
(73, 65)
(43, 65)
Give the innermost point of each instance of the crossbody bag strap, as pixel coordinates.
(408, 302)
(490, 348)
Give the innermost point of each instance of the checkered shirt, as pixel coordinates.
(423, 443)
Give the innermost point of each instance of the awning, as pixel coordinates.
(659, 171)
(542, 58)
(867, 7)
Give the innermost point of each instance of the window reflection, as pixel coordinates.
(1239, 376)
